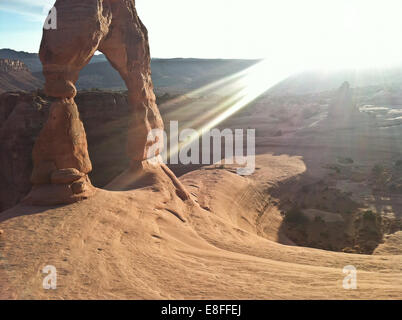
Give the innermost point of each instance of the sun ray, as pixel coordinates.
(246, 86)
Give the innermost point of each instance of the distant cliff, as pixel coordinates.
(174, 75)
(15, 75)
(7, 65)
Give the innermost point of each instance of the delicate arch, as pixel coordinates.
(60, 155)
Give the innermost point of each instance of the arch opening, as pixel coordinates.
(60, 155)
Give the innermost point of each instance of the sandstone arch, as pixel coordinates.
(60, 155)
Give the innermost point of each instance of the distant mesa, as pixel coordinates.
(7, 65)
(178, 74)
(15, 75)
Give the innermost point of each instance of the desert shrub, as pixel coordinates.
(374, 232)
(349, 250)
(378, 170)
(308, 112)
(335, 168)
(398, 164)
(396, 187)
(295, 216)
(345, 160)
(318, 219)
(324, 235)
(370, 215)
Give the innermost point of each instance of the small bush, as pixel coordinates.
(335, 168)
(345, 160)
(378, 170)
(324, 235)
(318, 219)
(295, 216)
(369, 215)
(308, 112)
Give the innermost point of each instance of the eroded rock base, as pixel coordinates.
(151, 172)
(68, 186)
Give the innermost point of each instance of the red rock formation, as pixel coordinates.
(22, 117)
(83, 27)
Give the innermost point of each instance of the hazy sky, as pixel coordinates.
(313, 32)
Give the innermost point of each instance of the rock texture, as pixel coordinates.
(22, 117)
(149, 244)
(114, 28)
(61, 148)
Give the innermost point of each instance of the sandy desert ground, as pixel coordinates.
(149, 244)
(324, 197)
(232, 239)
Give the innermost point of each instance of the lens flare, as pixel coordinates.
(239, 91)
